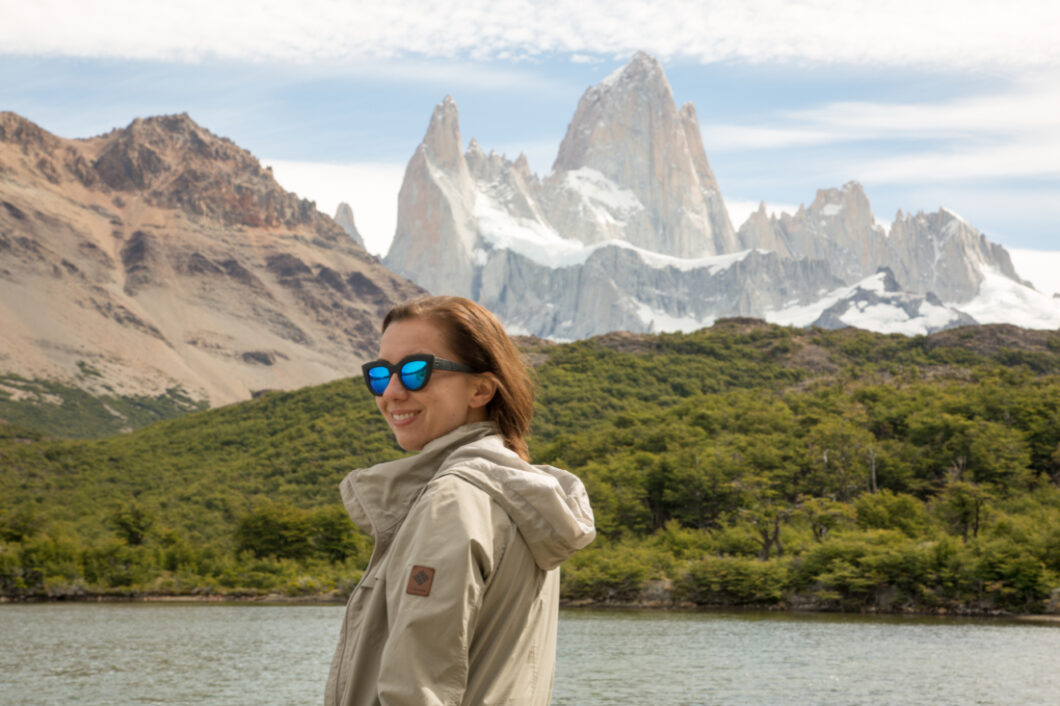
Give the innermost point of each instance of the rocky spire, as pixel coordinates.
(435, 231)
(628, 129)
(442, 141)
(344, 217)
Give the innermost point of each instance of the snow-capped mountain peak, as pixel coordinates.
(629, 232)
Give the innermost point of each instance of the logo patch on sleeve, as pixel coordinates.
(420, 581)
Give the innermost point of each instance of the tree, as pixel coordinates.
(825, 514)
(838, 454)
(765, 511)
(963, 505)
(132, 522)
(888, 510)
(276, 530)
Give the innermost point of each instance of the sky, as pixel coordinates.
(926, 103)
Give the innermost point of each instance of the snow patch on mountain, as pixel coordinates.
(657, 321)
(597, 190)
(887, 317)
(876, 304)
(1000, 300)
(795, 314)
(528, 237)
(542, 244)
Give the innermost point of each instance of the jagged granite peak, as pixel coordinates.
(938, 253)
(442, 141)
(163, 256)
(720, 224)
(762, 230)
(839, 228)
(344, 217)
(641, 82)
(436, 227)
(522, 166)
(642, 162)
(943, 253)
(503, 186)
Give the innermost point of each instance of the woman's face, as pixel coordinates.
(449, 400)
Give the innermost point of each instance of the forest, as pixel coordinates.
(745, 464)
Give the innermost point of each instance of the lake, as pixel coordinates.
(196, 653)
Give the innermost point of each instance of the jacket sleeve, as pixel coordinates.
(441, 564)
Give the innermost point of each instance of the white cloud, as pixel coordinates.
(1042, 268)
(371, 189)
(454, 74)
(992, 34)
(1014, 133)
(1022, 158)
(1030, 107)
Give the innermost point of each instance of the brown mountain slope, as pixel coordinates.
(162, 255)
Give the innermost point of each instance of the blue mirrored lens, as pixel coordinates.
(378, 379)
(414, 374)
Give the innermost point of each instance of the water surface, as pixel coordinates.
(141, 653)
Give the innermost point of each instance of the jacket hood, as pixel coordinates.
(548, 505)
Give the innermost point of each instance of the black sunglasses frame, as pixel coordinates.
(433, 363)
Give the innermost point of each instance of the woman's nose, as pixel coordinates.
(394, 388)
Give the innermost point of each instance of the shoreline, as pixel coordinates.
(646, 606)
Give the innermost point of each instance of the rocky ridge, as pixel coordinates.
(160, 255)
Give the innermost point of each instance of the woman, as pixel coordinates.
(459, 602)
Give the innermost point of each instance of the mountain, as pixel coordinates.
(160, 257)
(629, 232)
(477, 225)
(937, 253)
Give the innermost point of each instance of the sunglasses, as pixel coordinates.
(414, 371)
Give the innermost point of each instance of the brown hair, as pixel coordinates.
(480, 341)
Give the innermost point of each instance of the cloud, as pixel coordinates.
(371, 189)
(1042, 268)
(992, 34)
(1010, 134)
(455, 74)
(1030, 106)
(1017, 159)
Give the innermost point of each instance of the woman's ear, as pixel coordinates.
(483, 389)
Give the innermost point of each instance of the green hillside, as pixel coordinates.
(70, 412)
(745, 464)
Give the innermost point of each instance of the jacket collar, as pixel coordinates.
(379, 497)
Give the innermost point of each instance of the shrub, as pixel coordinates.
(887, 510)
(613, 573)
(735, 581)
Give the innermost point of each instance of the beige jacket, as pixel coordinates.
(459, 602)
